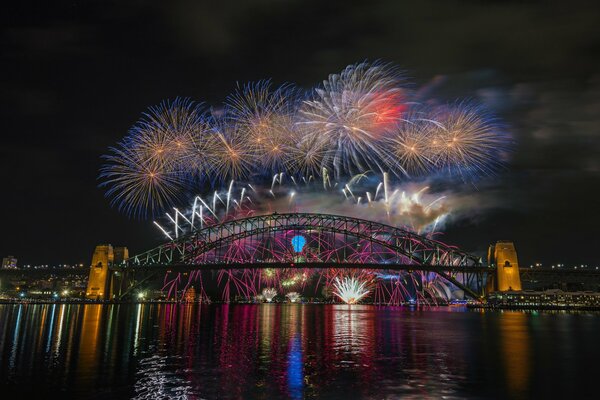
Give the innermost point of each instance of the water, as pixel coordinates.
(273, 351)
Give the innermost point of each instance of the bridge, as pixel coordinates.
(294, 240)
(309, 241)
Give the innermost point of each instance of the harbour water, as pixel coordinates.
(268, 351)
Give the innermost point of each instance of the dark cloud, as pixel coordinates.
(78, 74)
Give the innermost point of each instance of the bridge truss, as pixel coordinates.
(312, 241)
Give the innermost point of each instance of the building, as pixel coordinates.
(553, 298)
(9, 262)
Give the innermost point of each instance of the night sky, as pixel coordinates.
(77, 75)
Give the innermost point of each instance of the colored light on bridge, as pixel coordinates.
(298, 243)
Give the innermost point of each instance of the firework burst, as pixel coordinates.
(466, 141)
(269, 294)
(229, 152)
(171, 134)
(351, 112)
(293, 296)
(358, 120)
(147, 171)
(409, 144)
(265, 118)
(138, 186)
(350, 290)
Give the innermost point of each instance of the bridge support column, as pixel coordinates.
(101, 279)
(98, 281)
(503, 256)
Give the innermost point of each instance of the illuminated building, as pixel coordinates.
(9, 262)
(544, 299)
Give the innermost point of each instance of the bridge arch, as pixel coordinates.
(206, 246)
(341, 242)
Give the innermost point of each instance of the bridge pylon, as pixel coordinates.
(503, 256)
(100, 282)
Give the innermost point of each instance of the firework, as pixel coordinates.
(410, 152)
(137, 186)
(229, 151)
(269, 294)
(365, 196)
(466, 141)
(350, 290)
(173, 135)
(358, 120)
(147, 171)
(307, 157)
(265, 118)
(293, 296)
(351, 112)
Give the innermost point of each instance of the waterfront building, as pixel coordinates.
(9, 262)
(553, 298)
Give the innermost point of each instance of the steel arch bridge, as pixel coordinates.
(327, 241)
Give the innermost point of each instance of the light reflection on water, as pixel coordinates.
(293, 351)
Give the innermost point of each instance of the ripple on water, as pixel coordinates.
(158, 378)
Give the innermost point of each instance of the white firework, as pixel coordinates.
(350, 290)
(351, 113)
(293, 296)
(269, 294)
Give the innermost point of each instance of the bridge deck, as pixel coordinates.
(311, 265)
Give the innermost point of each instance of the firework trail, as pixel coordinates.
(410, 206)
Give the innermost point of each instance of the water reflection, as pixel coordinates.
(295, 373)
(88, 354)
(282, 351)
(515, 345)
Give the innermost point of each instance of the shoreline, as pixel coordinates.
(473, 307)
